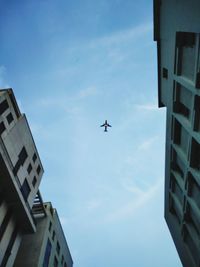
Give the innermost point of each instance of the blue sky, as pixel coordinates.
(73, 64)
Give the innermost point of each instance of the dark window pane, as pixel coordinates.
(195, 155)
(22, 158)
(185, 43)
(53, 236)
(58, 248)
(25, 189)
(29, 168)
(10, 118)
(55, 263)
(23, 155)
(9, 247)
(34, 181)
(5, 223)
(3, 106)
(38, 169)
(47, 254)
(165, 73)
(2, 128)
(34, 157)
(50, 225)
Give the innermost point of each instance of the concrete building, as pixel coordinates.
(20, 175)
(177, 32)
(22, 211)
(48, 246)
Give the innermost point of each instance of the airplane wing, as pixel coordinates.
(109, 125)
(103, 125)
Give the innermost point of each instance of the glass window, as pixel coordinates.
(47, 254)
(2, 128)
(9, 118)
(38, 169)
(3, 106)
(53, 235)
(29, 168)
(34, 157)
(25, 189)
(22, 155)
(58, 248)
(55, 263)
(185, 43)
(34, 181)
(50, 226)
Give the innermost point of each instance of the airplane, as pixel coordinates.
(106, 124)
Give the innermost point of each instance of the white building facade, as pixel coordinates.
(177, 33)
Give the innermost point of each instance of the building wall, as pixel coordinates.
(19, 138)
(21, 205)
(49, 233)
(20, 175)
(178, 38)
(21, 168)
(10, 236)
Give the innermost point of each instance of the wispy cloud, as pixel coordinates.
(131, 207)
(147, 144)
(93, 204)
(87, 92)
(147, 107)
(123, 36)
(63, 100)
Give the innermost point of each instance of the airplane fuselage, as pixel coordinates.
(106, 125)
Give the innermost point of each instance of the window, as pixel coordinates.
(10, 118)
(29, 168)
(34, 157)
(21, 159)
(182, 100)
(58, 247)
(165, 73)
(53, 235)
(3, 106)
(51, 211)
(185, 54)
(50, 226)
(195, 155)
(5, 223)
(180, 137)
(173, 208)
(25, 189)
(47, 254)
(2, 127)
(198, 80)
(197, 113)
(189, 240)
(176, 189)
(23, 155)
(9, 247)
(34, 181)
(55, 263)
(62, 259)
(193, 189)
(38, 169)
(177, 165)
(176, 132)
